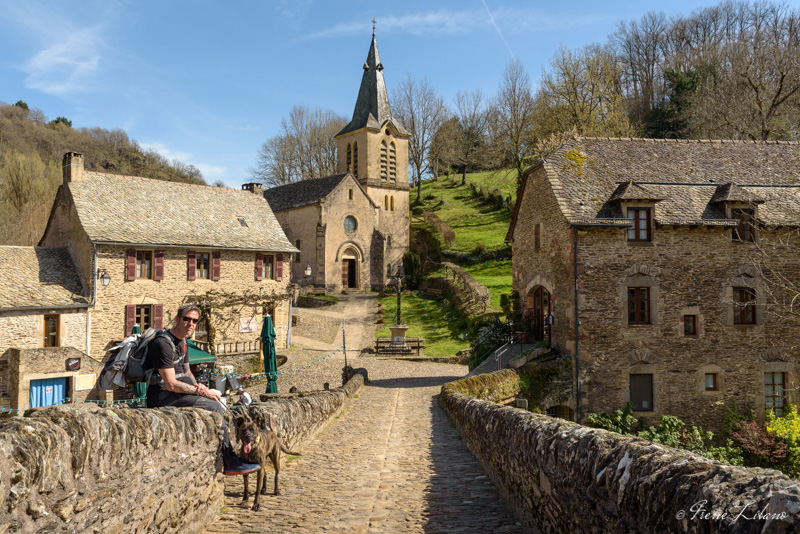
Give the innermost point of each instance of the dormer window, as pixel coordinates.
(640, 230)
(745, 230)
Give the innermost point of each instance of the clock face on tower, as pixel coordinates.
(350, 224)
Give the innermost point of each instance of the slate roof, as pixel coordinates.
(372, 105)
(32, 277)
(129, 209)
(590, 176)
(295, 195)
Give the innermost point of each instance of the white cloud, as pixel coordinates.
(67, 66)
(212, 173)
(167, 152)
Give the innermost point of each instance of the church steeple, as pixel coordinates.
(372, 106)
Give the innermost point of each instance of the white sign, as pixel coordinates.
(248, 324)
(83, 382)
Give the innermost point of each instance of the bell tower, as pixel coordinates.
(373, 147)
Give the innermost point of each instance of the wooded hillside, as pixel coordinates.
(31, 149)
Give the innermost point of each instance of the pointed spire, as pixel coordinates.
(372, 106)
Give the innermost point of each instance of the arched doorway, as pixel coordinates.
(539, 307)
(563, 412)
(350, 269)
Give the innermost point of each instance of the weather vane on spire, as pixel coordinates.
(373, 26)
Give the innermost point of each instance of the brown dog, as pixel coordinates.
(258, 444)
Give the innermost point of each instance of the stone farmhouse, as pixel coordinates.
(353, 228)
(653, 262)
(120, 251)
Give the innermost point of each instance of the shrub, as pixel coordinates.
(412, 266)
(619, 421)
(787, 429)
(759, 447)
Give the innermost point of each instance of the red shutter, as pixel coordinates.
(259, 266)
(130, 265)
(279, 267)
(130, 318)
(191, 266)
(158, 316)
(158, 260)
(215, 265)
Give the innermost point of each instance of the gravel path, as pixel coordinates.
(390, 462)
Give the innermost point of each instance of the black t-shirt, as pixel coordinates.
(162, 356)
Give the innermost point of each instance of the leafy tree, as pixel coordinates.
(61, 121)
(21, 104)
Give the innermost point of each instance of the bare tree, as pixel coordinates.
(513, 120)
(473, 112)
(422, 112)
(587, 82)
(305, 149)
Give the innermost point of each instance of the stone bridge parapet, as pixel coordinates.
(83, 468)
(559, 476)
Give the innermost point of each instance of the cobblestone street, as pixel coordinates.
(391, 462)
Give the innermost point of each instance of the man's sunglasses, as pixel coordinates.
(190, 319)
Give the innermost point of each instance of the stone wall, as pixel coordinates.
(82, 468)
(562, 477)
(25, 329)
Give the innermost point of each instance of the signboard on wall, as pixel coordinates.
(248, 324)
(84, 382)
(73, 364)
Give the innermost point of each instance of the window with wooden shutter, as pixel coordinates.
(279, 267)
(158, 265)
(215, 267)
(130, 265)
(259, 267)
(130, 318)
(191, 265)
(642, 392)
(158, 316)
(144, 264)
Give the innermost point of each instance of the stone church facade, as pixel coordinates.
(353, 228)
(653, 262)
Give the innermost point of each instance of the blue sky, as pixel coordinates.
(208, 82)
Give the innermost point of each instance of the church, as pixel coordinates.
(352, 228)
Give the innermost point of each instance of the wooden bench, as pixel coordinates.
(317, 291)
(433, 292)
(384, 345)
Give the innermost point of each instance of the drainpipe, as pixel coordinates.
(577, 359)
(94, 300)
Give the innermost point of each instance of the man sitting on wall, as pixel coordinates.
(174, 385)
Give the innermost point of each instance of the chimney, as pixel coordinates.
(72, 168)
(255, 188)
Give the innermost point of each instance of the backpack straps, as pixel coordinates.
(152, 376)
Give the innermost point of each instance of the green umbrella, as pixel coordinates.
(140, 388)
(268, 348)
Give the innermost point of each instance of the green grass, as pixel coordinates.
(426, 318)
(472, 221)
(495, 275)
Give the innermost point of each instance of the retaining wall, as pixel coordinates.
(559, 476)
(83, 468)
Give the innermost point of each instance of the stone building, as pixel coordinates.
(147, 246)
(676, 245)
(353, 228)
(43, 305)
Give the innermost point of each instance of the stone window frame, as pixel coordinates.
(349, 158)
(700, 323)
(392, 162)
(350, 193)
(391, 203)
(640, 276)
(355, 159)
(746, 277)
(734, 210)
(298, 245)
(790, 384)
(643, 369)
(721, 379)
(384, 161)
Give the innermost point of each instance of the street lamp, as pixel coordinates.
(104, 277)
(399, 276)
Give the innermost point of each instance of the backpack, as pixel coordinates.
(128, 367)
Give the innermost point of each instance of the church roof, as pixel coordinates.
(297, 194)
(372, 106)
(130, 209)
(39, 277)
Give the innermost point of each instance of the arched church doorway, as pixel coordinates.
(350, 269)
